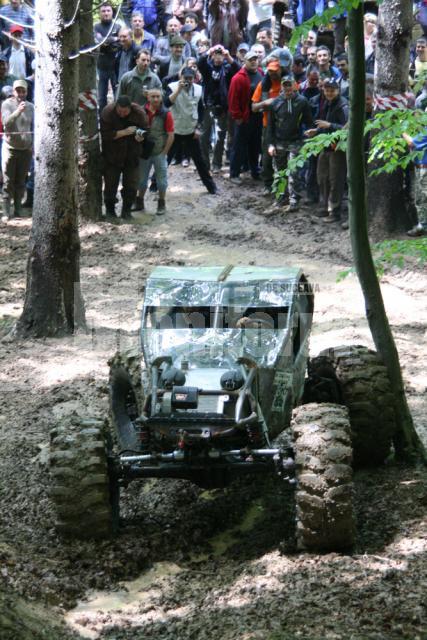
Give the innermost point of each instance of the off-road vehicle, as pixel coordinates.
(209, 395)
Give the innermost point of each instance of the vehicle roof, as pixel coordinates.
(226, 273)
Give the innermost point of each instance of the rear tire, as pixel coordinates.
(366, 392)
(324, 494)
(83, 489)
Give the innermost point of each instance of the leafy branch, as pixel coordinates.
(387, 146)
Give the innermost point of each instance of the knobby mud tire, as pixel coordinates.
(126, 398)
(366, 392)
(324, 493)
(83, 489)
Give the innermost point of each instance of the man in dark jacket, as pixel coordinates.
(127, 53)
(331, 165)
(217, 68)
(288, 114)
(121, 150)
(106, 63)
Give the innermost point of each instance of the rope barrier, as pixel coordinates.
(393, 101)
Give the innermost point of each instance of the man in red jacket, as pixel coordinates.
(246, 146)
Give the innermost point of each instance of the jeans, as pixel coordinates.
(246, 145)
(105, 76)
(209, 119)
(160, 170)
(284, 154)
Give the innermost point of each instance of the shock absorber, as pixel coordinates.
(256, 434)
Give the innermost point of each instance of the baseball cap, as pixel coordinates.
(331, 82)
(243, 47)
(177, 40)
(20, 83)
(16, 28)
(288, 79)
(273, 65)
(251, 55)
(188, 72)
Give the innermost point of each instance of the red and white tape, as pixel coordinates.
(394, 101)
(87, 100)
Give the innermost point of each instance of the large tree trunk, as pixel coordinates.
(53, 303)
(387, 202)
(406, 442)
(89, 162)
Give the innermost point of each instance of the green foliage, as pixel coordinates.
(323, 19)
(387, 147)
(394, 253)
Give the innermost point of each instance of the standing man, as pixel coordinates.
(160, 139)
(106, 63)
(248, 125)
(19, 57)
(288, 114)
(162, 52)
(18, 121)
(217, 68)
(142, 38)
(121, 150)
(185, 98)
(151, 10)
(331, 165)
(419, 143)
(126, 54)
(262, 100)
(172, 64)
(15, 12)
(136, 83)
(326, 70)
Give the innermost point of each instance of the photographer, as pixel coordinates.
(217, 68)
(121, 150)
(185, 99)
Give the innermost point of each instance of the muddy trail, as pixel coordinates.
(190, 563)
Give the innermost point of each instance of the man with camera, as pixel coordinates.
(185, 99)
(217, 68)
(122, 127)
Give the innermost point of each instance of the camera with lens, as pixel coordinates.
(218, 50)
(186, 85)
(139, 132)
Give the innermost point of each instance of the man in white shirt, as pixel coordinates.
(16, 53)
(185, 100)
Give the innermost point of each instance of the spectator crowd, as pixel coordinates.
(212, 82)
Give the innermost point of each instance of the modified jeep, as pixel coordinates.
(217, 389)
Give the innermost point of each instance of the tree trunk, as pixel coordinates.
(386, 197)
(53, 303)
(89, 159)
(406, 442)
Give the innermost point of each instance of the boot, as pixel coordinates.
(7, 209)
(18, 209)
(110, 211)
(28, 202)
(161, 206)
(126, 210)
(138, 205)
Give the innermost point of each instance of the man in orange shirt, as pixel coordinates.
(266, 91)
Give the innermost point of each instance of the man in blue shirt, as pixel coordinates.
(15, 13)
